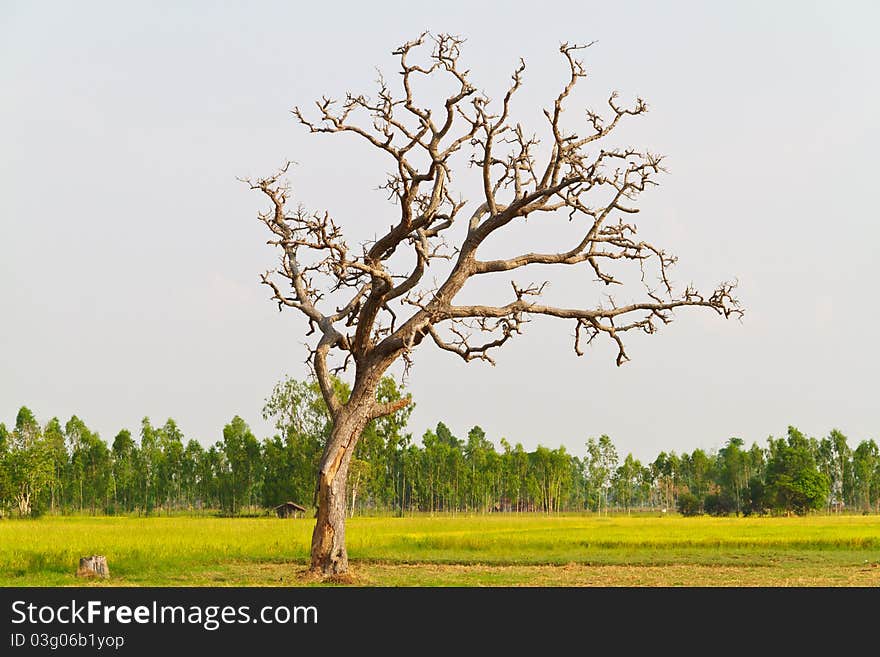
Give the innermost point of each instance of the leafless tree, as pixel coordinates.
(373, 305)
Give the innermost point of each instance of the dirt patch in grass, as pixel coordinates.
(572, 574)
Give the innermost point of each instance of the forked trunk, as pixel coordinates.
(329, 556)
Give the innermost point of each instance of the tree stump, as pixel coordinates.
(93, 566)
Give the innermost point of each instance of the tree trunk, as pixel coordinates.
(24, 503)
(329, 556)
(354, 494)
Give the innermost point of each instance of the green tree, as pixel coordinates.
(516, 468)
(865, 463)
(77, 435)
(148, 463)
(123, 454)
(300, 416)
(601, 462)
(844, 478)
(625, 482)
(28, 461)
(55, 440)
(211, 472)
(190, 472)
(550, 472)
(665, 469)
(696, 473)
(359, 472)
(98, 473)
(90, 466)
(169, 475)
(793, 481)
(242, 451)
(755, 497)
(378, 447)
(279, 474)
(479, 453)
(5, 483)
(732, 474)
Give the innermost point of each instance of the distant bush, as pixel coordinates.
(719, 504)
(689, 504)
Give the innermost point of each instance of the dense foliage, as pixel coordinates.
(68, 468)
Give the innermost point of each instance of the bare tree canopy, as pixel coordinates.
(373, 304)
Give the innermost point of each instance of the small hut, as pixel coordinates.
(289, 510)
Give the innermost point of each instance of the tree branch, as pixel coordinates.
(598, 187)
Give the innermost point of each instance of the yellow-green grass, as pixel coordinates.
(477, 550)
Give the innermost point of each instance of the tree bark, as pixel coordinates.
(24, 503)
(329, 556)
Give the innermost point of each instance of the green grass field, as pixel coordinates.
(496, 550)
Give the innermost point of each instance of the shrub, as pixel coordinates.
(719, 504)
(689, 504)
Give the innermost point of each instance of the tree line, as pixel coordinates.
(68, 468)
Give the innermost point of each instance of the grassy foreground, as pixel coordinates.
(497, 550)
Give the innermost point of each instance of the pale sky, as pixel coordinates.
(130, 255)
